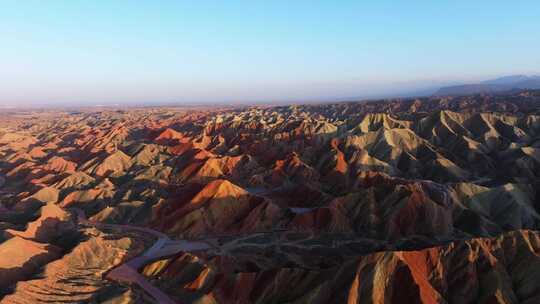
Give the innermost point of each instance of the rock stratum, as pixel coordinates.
(432, 200)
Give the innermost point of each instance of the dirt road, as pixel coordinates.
(163, 247)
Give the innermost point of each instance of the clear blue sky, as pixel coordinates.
(205, 51)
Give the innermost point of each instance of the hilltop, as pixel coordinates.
(425, 200)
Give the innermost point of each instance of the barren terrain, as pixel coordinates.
(431, 200)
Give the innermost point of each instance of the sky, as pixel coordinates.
(109, 52)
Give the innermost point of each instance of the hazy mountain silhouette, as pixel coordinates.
(501, 84)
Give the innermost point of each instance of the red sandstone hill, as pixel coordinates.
(219, 207)
(429, 200)
(495, 270)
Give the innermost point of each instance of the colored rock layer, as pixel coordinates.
(431, 200)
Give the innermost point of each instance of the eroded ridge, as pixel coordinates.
(429, 200)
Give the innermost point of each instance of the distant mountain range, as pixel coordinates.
(497, 85)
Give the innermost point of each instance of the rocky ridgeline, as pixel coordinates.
(433, 200)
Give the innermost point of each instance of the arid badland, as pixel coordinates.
(430, 200)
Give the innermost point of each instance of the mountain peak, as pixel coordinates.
(510, 80)
(497, 85)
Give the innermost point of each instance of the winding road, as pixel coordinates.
(163, 247)
(128, 272)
